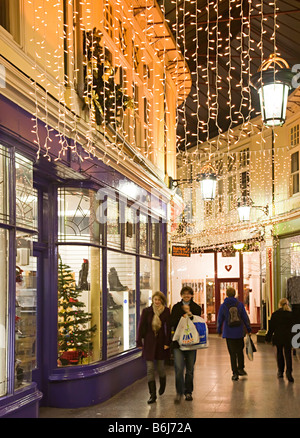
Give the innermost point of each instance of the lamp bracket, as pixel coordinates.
(174, 183)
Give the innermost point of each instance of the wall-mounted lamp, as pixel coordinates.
(244, 206)
(238, 246)
(273, 81)
(208, 181)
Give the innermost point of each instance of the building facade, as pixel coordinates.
(87, 138)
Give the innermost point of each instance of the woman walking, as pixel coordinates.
(154, 338)
(280, 333)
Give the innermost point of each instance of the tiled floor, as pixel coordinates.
(259, 395)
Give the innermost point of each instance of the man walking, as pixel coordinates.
(232, 318)
(184, 359)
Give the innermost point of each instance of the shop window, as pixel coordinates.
(251, 285)
(109, 19)
(26, 196)
(198, 272)
(290, 268)
(79, 305)
(156, 238)
(136, 57)
(121, 303)
(220, 196)
(144, 232)
(149, 281)
(231, 192)
(130, 228)
(113, 223)
(245, 184)
(123, 38)
(244, 157)
(10, 17)
(78, 219)
(231, 163)
(295, 185)
(26, 310)
(210, 300)
(295, 135)
(4, 179)
(208, 208)
(4, 246)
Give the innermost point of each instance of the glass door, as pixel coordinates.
(223, 287)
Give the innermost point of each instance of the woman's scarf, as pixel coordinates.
(156, 322)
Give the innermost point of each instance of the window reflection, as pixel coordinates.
(121, 303)
(79, 298)
(26, 308)
(149, 281)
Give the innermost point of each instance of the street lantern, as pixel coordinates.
(273, 82)
(208, 181)
(244, 205)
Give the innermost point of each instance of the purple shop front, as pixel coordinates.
(89, 215)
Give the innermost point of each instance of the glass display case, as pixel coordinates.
(121, 303)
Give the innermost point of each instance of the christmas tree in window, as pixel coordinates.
(74, 331)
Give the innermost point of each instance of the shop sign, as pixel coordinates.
(181, 251)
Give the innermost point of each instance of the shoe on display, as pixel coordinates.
(114, 282)
(83, 275)
(111, 304)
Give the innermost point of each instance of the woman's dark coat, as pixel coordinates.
(280, 328)
(178, 312)
(153, 346)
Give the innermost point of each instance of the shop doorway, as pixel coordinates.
(223, 284)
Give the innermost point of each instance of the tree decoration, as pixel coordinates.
(74, 333)
(107, 97)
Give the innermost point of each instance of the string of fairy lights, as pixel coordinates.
(127, 51)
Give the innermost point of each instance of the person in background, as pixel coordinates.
(184, 359)
(280, 334)
(234, 335)
(154, 338)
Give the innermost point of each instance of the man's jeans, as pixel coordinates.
(185, 359)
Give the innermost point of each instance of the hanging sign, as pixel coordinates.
(181, 251)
